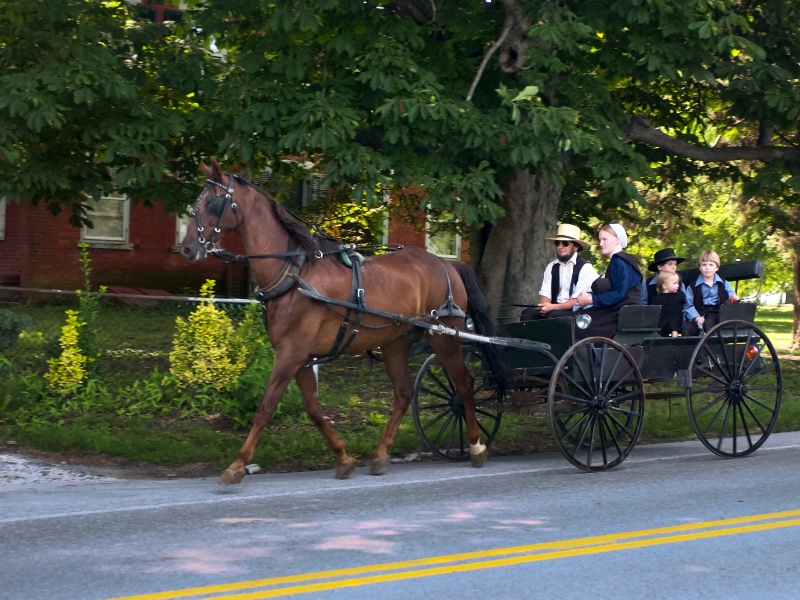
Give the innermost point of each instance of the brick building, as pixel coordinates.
(137, 247)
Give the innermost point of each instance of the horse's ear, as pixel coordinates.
(214, 171)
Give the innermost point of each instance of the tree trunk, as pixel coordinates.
(509, 256)
(795, 343)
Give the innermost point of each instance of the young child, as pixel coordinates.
(706, 294)
(668, 285)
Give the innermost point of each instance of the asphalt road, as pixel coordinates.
(672, 522)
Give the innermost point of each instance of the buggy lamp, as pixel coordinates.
(583, 321)
(751, 352)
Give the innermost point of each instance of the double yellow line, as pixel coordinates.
(484, 559)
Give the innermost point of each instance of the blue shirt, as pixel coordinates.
(709, 293)
(624, 277)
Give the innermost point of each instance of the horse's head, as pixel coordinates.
(214, 213)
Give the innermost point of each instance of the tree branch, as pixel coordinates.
(640, 130)
(492, 50)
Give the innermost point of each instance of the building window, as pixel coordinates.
(305, 192)
(2, 218)
(441, 239)
(109, 217)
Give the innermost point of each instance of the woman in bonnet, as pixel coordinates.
(621, 286)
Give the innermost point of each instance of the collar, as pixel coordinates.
(717, 279)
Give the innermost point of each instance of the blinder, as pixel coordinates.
(216, 206)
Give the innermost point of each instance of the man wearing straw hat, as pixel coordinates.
(564, 278)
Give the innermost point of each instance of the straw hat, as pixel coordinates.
(569, 233)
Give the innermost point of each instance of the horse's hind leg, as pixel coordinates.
(450, 355)
(307, 382)
(395, 360)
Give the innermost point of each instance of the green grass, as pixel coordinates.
(776, 322)
(355, 393)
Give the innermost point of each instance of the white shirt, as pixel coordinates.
(584, 283)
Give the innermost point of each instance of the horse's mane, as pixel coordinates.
(299, 233)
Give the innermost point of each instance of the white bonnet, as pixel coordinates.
(620, 232)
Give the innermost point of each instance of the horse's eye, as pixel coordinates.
(215, 205)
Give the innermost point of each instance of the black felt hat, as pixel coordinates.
(663, 256)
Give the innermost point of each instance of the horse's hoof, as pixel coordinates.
(231, 477)
(379, 465)
(345, 469)
(477, 460)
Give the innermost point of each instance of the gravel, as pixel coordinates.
(20, 472)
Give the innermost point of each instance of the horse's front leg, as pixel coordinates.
(306, 378)
(279, 379)
(395, 360)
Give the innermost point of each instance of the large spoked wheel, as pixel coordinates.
(596, 404)
(439, 412)
(735, 389)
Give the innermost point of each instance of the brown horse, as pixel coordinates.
(287, 260)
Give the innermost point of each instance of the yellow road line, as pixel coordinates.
(471, 561)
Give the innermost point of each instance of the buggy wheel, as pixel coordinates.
(735, 389)
(439, 412)
(596, 404)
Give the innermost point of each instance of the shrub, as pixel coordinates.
(68, 370)
(206, 348)
(11, 325)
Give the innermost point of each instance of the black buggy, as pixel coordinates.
(593, 390)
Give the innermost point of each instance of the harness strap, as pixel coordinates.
(449, 308)
(357, 302)
(283, 282)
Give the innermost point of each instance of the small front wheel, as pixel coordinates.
(735, 388)
(439, 412)
(596, 404)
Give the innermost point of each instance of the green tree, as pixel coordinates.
(509, 113)
(95, 98)
(514, 112)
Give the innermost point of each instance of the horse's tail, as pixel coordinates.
(481, 315)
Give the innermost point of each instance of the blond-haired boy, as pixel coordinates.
(706, 294)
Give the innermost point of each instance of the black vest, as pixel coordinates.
(555, 278)
(697, 296)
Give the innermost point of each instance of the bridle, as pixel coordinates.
(217, 206)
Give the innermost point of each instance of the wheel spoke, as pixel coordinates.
(448, 418)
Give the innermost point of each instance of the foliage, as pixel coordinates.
(94, 98)
(710, 215)
(11, 325)
(70, 369)
(207, 350)
(602, 103)
(352, 223)
(89, 307)
(150, 419)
